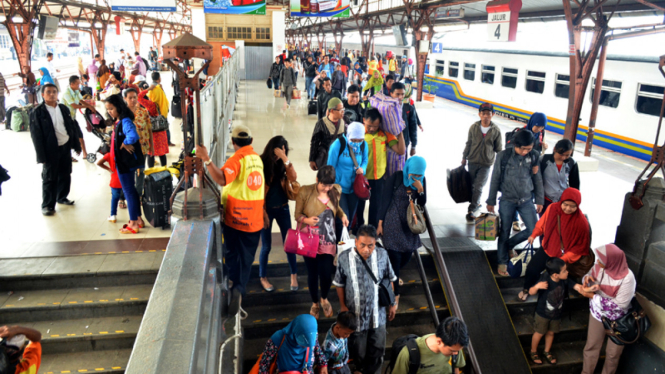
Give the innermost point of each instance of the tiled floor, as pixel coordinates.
(26, 232)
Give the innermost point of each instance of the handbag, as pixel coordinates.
(629, 328)
(360, 184)
(273, 365)
(386, 294)
(290, 188)
(301, 243)
(159, 123)
(269, 83)
(518, 264)
(582, 266)
(414, 217)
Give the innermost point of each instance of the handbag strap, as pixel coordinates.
(558, 222)
(353, 155)
(369, 270)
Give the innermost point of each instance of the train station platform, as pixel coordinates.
(28, 233)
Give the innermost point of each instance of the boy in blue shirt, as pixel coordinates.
(336, 346)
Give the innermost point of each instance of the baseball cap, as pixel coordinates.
(486, 106)
(241, 132)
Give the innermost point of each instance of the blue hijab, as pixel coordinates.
(414, 165)
(537, 119)
(46, 78)
(297, 349)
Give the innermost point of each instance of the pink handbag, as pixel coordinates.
(301, 243)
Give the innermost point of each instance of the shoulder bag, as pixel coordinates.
(386, 294)
(159, 123)
(290, 188)
(629, 328)
(582, 266)
(360, 184)
(301, 243)
(414, 216)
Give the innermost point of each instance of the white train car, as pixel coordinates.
(520, 83)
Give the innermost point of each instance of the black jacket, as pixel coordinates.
(390, 186)
(43, 133)
(411, 129)
(323, 100)
(275, 69)
(321, 141)
(310, 69)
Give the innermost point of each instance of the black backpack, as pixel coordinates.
(408, 341)
(510, 135)
(460, 185)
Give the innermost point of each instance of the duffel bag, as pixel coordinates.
(517, 265)
(20, 120)
(460, 185)
(391, 111)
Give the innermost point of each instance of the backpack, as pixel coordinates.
(391, 111)
(460, 185)
(408, 341)
(20, 119)
(510, 135)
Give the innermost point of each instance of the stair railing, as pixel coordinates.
(449, 292)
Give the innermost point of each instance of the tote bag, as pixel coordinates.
(301, 243)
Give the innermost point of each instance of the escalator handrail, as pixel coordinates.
(448, 287)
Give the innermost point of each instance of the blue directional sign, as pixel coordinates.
(437, 47)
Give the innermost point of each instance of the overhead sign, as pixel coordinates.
(320, 8)
(502, 17)
(437, 47)
(235, 6)
(48, 27)
(73, 39)
(143, 5)
(449, 13)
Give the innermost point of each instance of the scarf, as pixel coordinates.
(414, 165)
(574, 227)
(616, 269)
(537, 119)
(374, 82)
(407, 94)
(297, 346)
(46, 78)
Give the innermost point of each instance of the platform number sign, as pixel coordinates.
(498, 26)
(437, 47)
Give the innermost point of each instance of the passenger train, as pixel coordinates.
(519, 83)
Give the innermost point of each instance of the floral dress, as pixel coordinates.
(143, 128)
(270, 351)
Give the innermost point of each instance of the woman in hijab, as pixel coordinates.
(46, 77)
(357, 74)
(295, 349)
(566, 235)
(80, 66)
(374, 84)
(399, 190)
(103, 73)
(537, 124)
(610, 285)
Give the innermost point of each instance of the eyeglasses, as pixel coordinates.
(338, 110)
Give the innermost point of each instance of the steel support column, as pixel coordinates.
(422, 58)
(136, 30)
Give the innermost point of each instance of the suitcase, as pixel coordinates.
(158, 188)
(176, 111)
(312, 107)
(459, 185)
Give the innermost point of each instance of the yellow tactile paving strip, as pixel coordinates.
(86, 370)
(36, 299)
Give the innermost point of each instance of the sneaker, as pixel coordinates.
(516, 226)
(470, 218)
(112, 219)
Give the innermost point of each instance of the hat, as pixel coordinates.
(241, 132)
(356, 130)
(404, 56)
(139, 78)
(486, 106)
(334, 102)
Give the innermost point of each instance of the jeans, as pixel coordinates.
(479, 175)
(116, 196)
(283, 217)
(348, 202)
(275, 83)
(309, 87)
(129, 188)
(366, 349)
(398, 260)
(239, 252)
(506, 211)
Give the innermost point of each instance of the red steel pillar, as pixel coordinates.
(422, 58)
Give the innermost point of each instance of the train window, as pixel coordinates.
(470, 71)
(487, 75)
(649, 99)
(535, 81)
(561, 85)
(453, 69)
(439, 67)
(609, 94)
(509, 78)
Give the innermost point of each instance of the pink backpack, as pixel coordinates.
(391, 111)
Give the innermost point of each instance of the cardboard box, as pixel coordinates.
(487, 227)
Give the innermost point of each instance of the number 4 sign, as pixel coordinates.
(502, 17)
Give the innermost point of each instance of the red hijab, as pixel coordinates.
(574, 227)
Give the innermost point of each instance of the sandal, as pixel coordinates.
(141, 224)
(522, 296)
(314, 311)
(122, 204)
(327, 308)
(502, 270)
(126, 229)
(549, 357)
(534, 357)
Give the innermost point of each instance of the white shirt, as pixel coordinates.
(58, 124)
(484, 129)
(51, 68)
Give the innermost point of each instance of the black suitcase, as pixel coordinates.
(176, 111)
(312, 107)
(158, 188)
(459, 185)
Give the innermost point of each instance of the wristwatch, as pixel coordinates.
(287, 163)
(207, 163)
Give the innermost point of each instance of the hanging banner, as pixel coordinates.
(73, 39)
(143, 5)
(320, 8)
(235, 6)
(502, 18)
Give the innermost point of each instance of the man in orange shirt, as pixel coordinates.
(242, 199)
(14, 358)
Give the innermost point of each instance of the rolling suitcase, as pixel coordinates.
(157, 189)
(176, 110)
(459, 185)
(312, 107)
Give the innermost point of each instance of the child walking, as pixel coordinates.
(336, 346)
(551, 290)
(116, 187)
